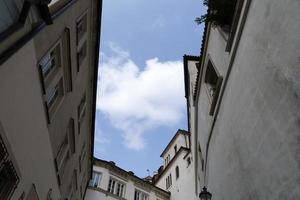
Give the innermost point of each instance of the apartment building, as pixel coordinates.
(246, 104)
(48, 78)
(176, 175)
(114, 183)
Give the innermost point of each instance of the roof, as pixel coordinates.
(202, 57)
(179, 131)
(130, 174)
(187, 58)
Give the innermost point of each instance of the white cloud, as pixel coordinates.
(136, 100)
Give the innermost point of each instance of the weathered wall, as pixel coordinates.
(255, 146)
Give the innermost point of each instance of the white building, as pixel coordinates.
(246, 114)
(177, 173)
(110, 182)
(48, 78)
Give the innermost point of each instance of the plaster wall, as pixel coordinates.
(24, 124)
(192, 74)
(180, 141)
(81, 83)
(130, 186)
(255, 144)
(183, 186)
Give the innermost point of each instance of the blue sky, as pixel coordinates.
(140, 100)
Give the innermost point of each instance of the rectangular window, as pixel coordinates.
(81, 157)
(9, 178)
(213, 85)
(81, 111)
(54, 96)
(66, 46)
(81, 28)
(62, 158)
(139, 195)
(96, 179)
(81, 31)
(81, 54)
(51, 62)
(71, 135)
(116, 187)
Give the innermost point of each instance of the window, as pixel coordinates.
(8, 176)
(96, 179)
(81, 54)
(53, 97)
(139, 195)
(61, 159)
(67, 65)
(236, 15)
(213, 84)
(169, 181)
(72, 186)
(188, 160)
(51, 62)
(81, 29)
(175, 148)
(200, 157)
(116, 187)
(81, 111)
(177, 172)
(9, 14)
(71, 135)
(8, 180)
(81, 157)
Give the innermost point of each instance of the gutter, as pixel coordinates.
(95, 80)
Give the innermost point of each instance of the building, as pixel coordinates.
(246, 114)
(48, 79)
(176, 175)
(111, 182)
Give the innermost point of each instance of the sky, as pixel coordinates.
(140, 97)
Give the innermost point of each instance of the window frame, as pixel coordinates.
(212, 98)
(7, 167)
(112, 187)
(81, 41)
(93, 183)
(177, 172)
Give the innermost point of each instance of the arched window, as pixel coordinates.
(177, 172)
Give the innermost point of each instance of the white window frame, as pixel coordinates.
(116, 187)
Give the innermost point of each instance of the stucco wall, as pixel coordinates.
(183, 187)
(181, 141)
(24, 123)
(255, 145)
(130, 186)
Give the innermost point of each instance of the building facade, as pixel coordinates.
(113, 183)
(176, 175)
(48, 78)
(246, 106)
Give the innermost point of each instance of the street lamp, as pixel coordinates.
(204, 194)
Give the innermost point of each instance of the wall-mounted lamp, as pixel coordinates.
(204, 194)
